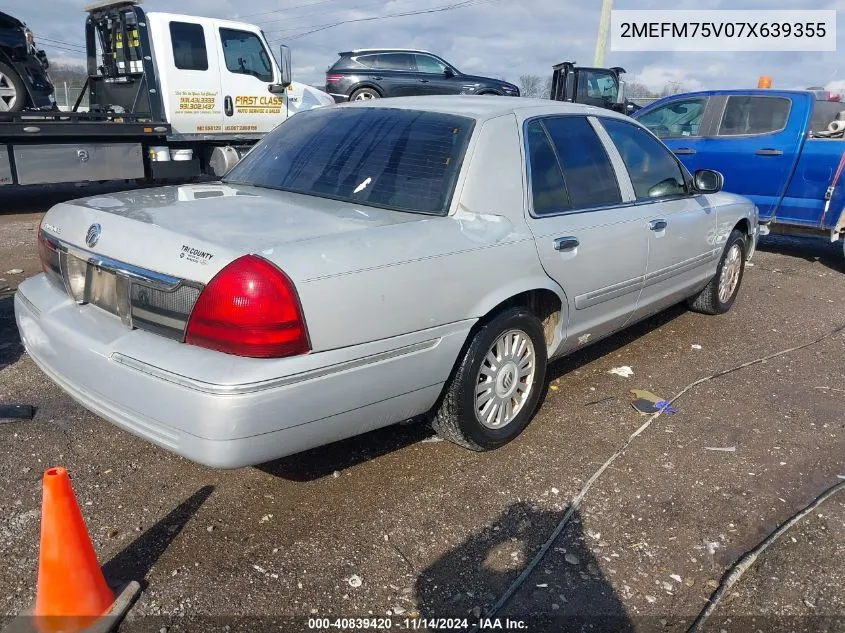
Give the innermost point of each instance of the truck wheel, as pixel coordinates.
(12, 90)
(719, 295)
(364, 94)
(494, 391)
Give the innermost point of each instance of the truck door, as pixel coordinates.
(756, 145)
(246, 72)
(189, 75)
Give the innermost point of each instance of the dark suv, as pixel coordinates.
(24, 82)
(396, 72)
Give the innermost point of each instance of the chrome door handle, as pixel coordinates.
(769, 152)
(684, 151)
(658, 225)
(423, 81)
(566, 243)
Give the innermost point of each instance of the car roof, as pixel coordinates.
(483, 107)
(358, 51)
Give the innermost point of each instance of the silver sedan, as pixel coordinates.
(371, 262)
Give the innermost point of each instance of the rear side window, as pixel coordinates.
(245, 54)
(363, 61)
(548, 189)
(396, 61)
(587, 171)
(681, 117)
(398, 159)
(754, 115)
(824, 113)
(653, 169)
(188, 40)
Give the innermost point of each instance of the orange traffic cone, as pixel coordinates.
(72, 592)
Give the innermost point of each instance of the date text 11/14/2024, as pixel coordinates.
(415, 624)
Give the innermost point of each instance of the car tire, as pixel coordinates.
(719, 294)
(364, 94)
(12, 90)
(459, 416)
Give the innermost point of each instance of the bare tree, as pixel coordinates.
(530, 86)
(547, 89)
(636, 90)
(672, 88)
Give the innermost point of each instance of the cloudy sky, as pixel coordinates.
(500, 38)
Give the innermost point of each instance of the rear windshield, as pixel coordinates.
(397, 159)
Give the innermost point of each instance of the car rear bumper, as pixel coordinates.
(124, 377)
(339, 98)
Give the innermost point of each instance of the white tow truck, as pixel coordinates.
(172, 98)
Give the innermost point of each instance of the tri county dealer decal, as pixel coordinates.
(195, 255)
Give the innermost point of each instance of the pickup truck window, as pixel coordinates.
(405, 160)
(244, 54)
(584, 161)
(745, 115)
(824, 113)
(188, 41)
(681, 117)
(654, 171)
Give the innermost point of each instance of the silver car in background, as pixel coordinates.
(371, 262)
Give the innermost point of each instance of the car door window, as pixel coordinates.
(745, 116)
(548, 189)
(188, 40)
(245, 54)
(654, 171)
(587, 171)
(681, 117)
(428, 64)
(396, 61)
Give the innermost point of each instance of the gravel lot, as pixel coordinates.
(393, 523)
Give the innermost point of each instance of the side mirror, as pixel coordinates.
(287, 78)
(448, 73)
(620, 94)
(708, 181)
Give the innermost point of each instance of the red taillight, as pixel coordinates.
(250, 308)
(333, 79)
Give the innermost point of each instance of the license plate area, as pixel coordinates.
(88, 283)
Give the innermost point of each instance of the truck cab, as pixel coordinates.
(772, 146)
(172, 98)
(208, 78)
(600, 87)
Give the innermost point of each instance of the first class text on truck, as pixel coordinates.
(171, 98)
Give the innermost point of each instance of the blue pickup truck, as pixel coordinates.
(782, 149)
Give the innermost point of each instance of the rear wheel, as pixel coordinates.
(12, 90)
(364, 94)
(719, 295)
(494, 391)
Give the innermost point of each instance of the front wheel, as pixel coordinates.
(719, 295)
(496, 387)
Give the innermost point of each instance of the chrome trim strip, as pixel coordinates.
(670, 271)
(136, 273)
(596, 297)
(273, 383)
(28, 304)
